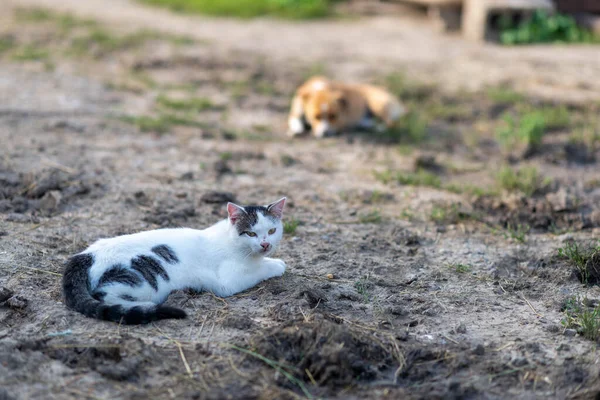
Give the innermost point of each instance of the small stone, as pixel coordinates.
(217, 197)
(187, 176)
(329, 276)
(479, 350)
(563, 347)
(570, 332)
(17, 303)
(462, 328)
(5, 294)
(221, 167)
(51, 200)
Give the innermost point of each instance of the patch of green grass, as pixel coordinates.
(469, 189)
(504, 96)
(450, 111)
(6, 43)
(450, 214)
(160, 124)
(579, 315)
(407, 214)
(290, 226)
(555, 117)
(290, 9)
(66, 22)
(377, 197)
(530, 125)
(99, 41)
(226, 156)
(317, 68)
(30, 53)
(526, 180)
(363, 287)
(544, 28)
(33, 15)
(194, 104)
(419, 178)
(265, 88)
(438, 213)
(406, 89)
(239, 89)
(586, 135)
(579, 257)
(461, 268)
(527, 130)
(412, 128)
(517, 232)
(372, 217)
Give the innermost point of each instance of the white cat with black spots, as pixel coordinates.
(127, 278)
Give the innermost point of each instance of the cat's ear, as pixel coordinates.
(276, 208)
(235, 212)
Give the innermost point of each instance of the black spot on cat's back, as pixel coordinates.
(119, 274)
(150, 268)
(166, 253)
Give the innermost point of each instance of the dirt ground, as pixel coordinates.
(447, 281)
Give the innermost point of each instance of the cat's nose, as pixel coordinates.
(265, 246)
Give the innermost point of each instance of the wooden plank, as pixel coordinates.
(475, 13)
(578, 6)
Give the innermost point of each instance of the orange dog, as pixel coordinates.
(326, 107)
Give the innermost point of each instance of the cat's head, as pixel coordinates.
(258, 228)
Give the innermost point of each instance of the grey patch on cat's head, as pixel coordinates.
(244, 218)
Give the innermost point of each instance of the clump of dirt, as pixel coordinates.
(112, 360)
(44, 192)
(334, 354)
(168, 215)
(557, 210)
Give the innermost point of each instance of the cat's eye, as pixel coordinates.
(251, 234)
(272, 231)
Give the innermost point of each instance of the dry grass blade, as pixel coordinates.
(41, 270)
(277, 367)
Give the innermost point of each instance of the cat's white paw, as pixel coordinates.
(277, 267)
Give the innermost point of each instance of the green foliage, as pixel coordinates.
(579, 258)
(517, 232)
(290, 226)
(291, 9)
(6, 43)
(195, 104)
(544, 28)
(30, 53)
(526, 180)
(100, 41)
(579, 315)
(505, 96)
(161, 124)
(529, 126)
(460, 268)
(363, 286)
(372, 217)
(412, 128)
(528, 130)
(420, 178)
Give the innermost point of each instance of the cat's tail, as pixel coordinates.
(77, 295)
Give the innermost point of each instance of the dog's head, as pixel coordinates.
(324, 110)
